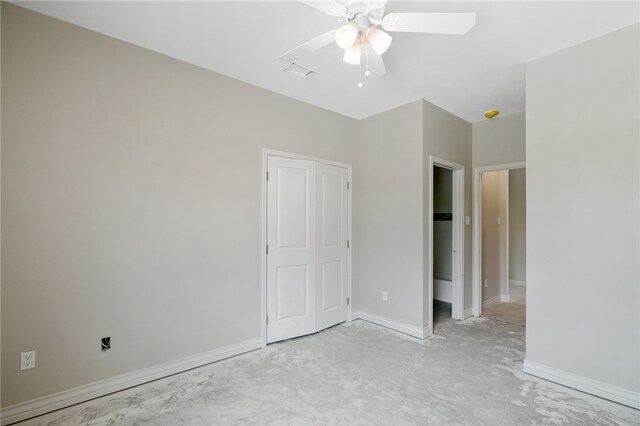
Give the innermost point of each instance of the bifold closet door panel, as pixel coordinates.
(291, 240)
(332, 270)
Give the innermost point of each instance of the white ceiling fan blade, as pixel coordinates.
(438, 23)
(308, 48)
(373, 62)
(329, 7)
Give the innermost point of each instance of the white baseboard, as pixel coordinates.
(505, 298)
(493, 299)
(413, 331)
(468, 313)
(518, 283)
(593, 387)
(39, 406)
(426, 332)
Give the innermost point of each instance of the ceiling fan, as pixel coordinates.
(362, 33)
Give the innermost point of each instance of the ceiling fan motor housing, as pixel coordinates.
(359, 13)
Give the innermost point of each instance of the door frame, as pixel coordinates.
(457, 270)
(266, 153)
(476, 257)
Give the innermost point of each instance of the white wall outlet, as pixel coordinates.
(499, 221)
(384, 296)
(467, 220)
(486, 283)
(27, 360)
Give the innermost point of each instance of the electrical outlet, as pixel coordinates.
(384, 296)
(486, 283)
(467, 220)
(27, 360)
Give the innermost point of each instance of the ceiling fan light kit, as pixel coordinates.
(352, 55)
(379, 40)
(347, 35)
(360, 26)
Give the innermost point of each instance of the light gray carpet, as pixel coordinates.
(518, 294)
(507, 312)
(359, 373)
(441, 313)
(514, 311)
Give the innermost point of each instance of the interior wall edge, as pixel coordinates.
(388, 227)
(446, 137)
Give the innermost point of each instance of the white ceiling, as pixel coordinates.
(465, 75)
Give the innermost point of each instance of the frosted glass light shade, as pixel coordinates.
(347, 35)
(379, 40)
(352, 55)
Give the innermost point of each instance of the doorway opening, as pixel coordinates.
(446, 248)
(442, 244)
(500, 243)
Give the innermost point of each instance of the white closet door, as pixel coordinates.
(332, 268)
(291, 239)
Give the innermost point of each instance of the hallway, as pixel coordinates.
(514, 311)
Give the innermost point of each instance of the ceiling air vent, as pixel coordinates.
(296, 69)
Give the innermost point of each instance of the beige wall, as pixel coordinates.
(583, 205)
(447, 137)
(499, 141)
(495, 142)
(389, 236)
(494, 235)
(393, 252)
(131, 202)
(517, 226)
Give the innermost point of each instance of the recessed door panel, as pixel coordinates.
(292, 214)
(332, 186)
(292, 292)
(332, 285)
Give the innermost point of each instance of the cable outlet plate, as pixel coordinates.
(105, 343)
(27, 360)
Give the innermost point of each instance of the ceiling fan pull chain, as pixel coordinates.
(367, 72)
(360, 85)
